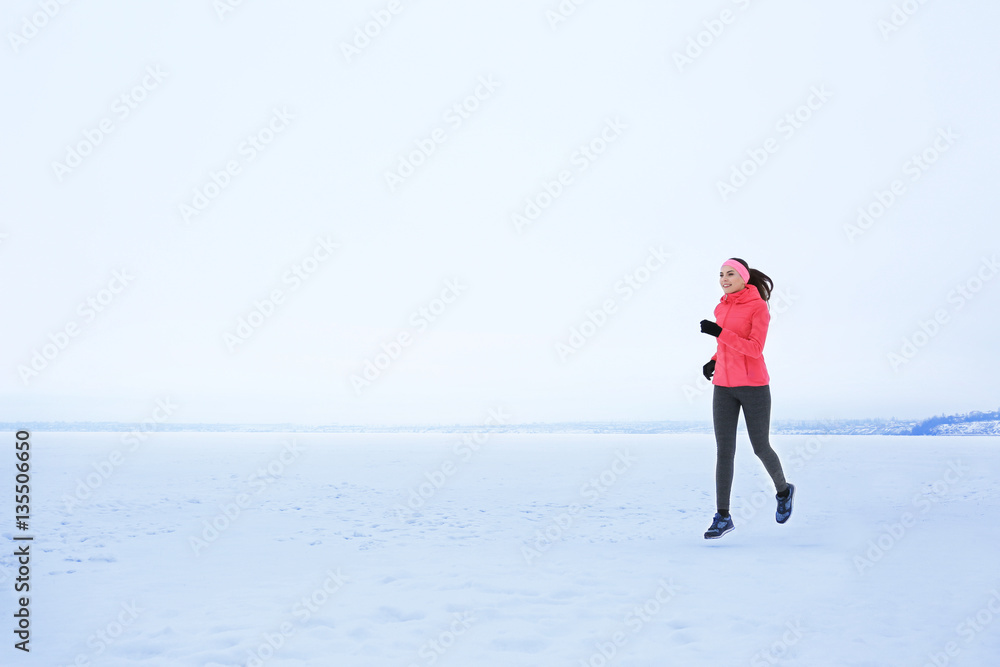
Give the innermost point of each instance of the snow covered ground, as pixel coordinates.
(524, 549)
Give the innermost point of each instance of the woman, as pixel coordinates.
(740, 377)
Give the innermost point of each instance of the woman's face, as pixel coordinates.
(730, 280)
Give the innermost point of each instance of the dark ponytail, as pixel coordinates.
(758, 279)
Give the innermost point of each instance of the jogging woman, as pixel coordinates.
(740, 377)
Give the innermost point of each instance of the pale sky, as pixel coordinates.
(170, 169)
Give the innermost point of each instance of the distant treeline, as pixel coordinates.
(989, 425)
(926, 427)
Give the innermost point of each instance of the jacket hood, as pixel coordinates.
(747, 294)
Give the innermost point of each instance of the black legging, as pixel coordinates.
(756, 402)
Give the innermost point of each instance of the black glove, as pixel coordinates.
(709, 370)
(711, 328)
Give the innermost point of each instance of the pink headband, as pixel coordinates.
(740, 269)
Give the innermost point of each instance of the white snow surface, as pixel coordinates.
(888, 559)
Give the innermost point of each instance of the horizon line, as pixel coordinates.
(153, 425)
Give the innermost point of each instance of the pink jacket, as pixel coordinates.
(739, 359)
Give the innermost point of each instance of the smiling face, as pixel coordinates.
(730, 280)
